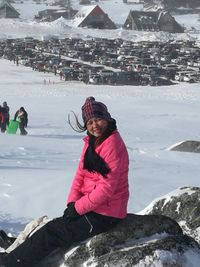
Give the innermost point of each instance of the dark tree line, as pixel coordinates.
(173, 4)
(181, 3)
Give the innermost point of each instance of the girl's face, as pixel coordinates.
(96, 126)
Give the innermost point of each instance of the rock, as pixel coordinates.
(142, 253)
(182, 205)
(187, 146)
(138, 239)
(152, 238)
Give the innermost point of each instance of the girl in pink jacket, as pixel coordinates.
(99, 194)
(101, 180)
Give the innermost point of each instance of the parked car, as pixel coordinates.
(191, 77)
(128, 78)
(106, 72)
(158, 81)
(179, 76)
(94, 79)
(145, 79)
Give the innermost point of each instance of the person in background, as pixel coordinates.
(98, 198)
(2, 120)
(17, 60)
(22, 116)
(6, 113)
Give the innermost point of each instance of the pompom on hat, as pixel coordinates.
(93, 109)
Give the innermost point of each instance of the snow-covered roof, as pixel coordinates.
(6, 3)
(82, 14)
(61, 11)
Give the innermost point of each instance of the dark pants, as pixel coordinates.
(3, 127)
(22, 129)
(58, 233)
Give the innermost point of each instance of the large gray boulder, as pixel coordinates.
(187, 146)
(139, 239)
(165, 234)
(182, 205)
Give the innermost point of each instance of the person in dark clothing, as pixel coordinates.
(2, 120)
(98, 197)
(22, 116)
(5, 110)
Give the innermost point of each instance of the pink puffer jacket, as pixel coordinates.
(106, 196)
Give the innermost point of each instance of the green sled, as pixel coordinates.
(12, 127)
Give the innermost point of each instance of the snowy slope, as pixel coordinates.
(116, 10)
(36, 170)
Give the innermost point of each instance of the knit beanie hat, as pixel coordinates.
(92, 109)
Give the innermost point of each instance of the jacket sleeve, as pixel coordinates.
(75, 190)
(75, 193)
(112, 152)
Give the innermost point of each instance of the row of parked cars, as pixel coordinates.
(189, 75)
(103, 61)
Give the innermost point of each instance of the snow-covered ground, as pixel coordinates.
(116, 10)
(36, 170)
(29, 9)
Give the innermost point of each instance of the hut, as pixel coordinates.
(159, 20)
(7, 10)
(93, 17)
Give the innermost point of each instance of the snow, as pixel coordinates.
(192, 258)
(174, 145)
(82, 14)
(161, 258)
(29, 9)
(36, 170)
(168, 197)
(142, 241)
(189, 21)
(61, 27)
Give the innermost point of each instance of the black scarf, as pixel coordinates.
(92, 161)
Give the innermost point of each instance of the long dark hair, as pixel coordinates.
(78, 127)
(92, 161)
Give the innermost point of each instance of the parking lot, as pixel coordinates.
(104, 61)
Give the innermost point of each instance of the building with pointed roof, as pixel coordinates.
(93, 17)
(7, 10)
(159, 20)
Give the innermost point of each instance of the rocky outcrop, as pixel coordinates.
(187, 146)
(165, 234)
(133, 253)
(139, 239)
(182, 205)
